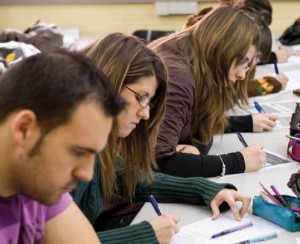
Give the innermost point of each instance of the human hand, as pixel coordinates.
(165, 226)
(187, 149)
(254, 157)
(283, 79)
(282, 55)
(230, 196)
(263, 122)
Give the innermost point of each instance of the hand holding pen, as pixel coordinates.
(164, 226)
(262, 121)
(254, 156)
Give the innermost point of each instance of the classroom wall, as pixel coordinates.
(93, 19)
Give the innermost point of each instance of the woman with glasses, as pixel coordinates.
(123, 171)
(207, 67)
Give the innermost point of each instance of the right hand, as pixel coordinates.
(165, 226)
(283, 79)
(184, 148)
(282, 55)
(254, 157)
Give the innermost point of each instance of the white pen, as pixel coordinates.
(259, 238)
(293, 137)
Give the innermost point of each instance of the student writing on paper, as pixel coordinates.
(206, 77)
(123, 171)
(265, 85)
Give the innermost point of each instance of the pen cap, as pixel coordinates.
(295, 121)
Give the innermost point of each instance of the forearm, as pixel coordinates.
(194, 190)
(240, 124)
(191, 165)
(133, 234)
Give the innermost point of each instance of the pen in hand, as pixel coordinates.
(154, 204)
(228, 231)
(242, 140)
(258, 107)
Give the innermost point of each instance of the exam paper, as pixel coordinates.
(200, 232)
(283, 109)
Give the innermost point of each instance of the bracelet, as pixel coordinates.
(223, 167)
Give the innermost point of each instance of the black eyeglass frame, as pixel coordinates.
(144, 100)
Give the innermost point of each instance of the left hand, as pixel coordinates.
(230, 196)
(264, 122)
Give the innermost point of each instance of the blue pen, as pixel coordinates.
(276, 67)
(154, 204)
(236, 228)
(259, 238)
(258, 107)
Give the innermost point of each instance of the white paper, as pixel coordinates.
(200, 232)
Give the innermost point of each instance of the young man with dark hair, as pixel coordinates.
(56, 112)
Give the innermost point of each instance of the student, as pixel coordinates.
(265, 10)
(264, 85)
(206, 77)
(46, 101)
(125, 167)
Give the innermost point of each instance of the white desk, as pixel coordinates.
(247, 182)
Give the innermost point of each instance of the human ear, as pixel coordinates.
(22, 125)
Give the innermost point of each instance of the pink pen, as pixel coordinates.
(284, 203)
(295, 209)
(269, 194)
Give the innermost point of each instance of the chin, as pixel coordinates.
(123, 134)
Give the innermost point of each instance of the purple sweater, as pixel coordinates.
(22, 220)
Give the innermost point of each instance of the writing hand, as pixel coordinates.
(165, 226)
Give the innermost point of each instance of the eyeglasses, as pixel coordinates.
(244, 67)
(144, 100)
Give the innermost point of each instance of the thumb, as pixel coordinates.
(215, 210)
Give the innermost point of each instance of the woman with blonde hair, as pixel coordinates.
(123, 171)
(207, 67)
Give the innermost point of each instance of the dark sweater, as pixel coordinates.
(176, 126)
(165, 188)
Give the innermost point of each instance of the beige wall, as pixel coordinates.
(106, 18)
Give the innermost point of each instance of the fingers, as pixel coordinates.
(230, 196)
(246, 200)
(215, 210)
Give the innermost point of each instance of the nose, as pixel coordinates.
(240, 75)
(144, 113)
(85, 170)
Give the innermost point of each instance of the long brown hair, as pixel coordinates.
(209, 48)
(124, 59)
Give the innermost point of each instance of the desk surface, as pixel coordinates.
(274, 141)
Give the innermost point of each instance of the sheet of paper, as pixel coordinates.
(275, 159)
(200, 232)
(283, 109)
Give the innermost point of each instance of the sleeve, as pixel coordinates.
(243, 123)
(54, 210)
(191, 165)
(271, 59)
(133, 234)
(168, 189)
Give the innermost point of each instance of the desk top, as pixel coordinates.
(248, 183)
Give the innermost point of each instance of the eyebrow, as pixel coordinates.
(86, 149)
